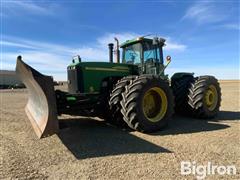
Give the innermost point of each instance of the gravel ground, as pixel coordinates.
(88, 148)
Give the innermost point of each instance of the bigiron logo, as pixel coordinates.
(201, 171)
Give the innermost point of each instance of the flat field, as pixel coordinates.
(88, 148)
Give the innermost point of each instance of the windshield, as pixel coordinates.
(150, 52)
(146, 51)
(132, 54)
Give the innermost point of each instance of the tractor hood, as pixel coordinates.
(87, 77)
(102, 65)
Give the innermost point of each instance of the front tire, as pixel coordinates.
(147, 103)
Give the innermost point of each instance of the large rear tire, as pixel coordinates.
(147, 103)
(205, 97)
(116, 116)
(180, 89)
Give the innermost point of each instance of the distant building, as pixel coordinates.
(8, 78)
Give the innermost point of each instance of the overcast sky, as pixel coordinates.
(202, 37)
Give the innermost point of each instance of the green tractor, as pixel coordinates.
(134, 93)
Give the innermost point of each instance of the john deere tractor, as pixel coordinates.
(134, 92)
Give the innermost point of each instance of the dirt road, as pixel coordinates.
(88, 148)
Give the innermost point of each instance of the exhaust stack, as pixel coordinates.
(117, 51)
(110, 46)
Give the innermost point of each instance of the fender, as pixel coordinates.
(181, 75)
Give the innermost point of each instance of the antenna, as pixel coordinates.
(146, 35)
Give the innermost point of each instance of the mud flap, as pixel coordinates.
(41, 107)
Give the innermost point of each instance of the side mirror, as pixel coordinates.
(162, 40)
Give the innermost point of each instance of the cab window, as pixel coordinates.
(150, 53)
(132, 54)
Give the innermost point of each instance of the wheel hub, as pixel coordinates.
(211, 97)
(154, 104)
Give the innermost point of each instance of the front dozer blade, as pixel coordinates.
(41, 107)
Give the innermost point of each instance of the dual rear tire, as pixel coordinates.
(198, 97)
(181, 89)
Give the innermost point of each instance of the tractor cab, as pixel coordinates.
(146, 53)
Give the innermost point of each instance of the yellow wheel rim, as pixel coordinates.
(211, 97)
(154, 104)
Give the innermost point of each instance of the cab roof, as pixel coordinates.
(134, 41)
